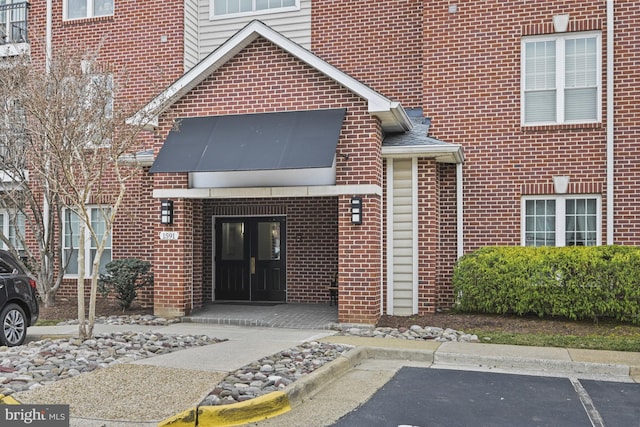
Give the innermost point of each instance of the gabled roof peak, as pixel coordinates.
(391, 114)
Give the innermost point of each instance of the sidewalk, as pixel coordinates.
(196, 369)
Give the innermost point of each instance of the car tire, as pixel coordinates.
(13, 325)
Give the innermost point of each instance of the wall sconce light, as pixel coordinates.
(356, 210)
(166, 212)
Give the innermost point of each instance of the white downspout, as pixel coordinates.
(459, 210)
(610, 136)
(48, 36)
(47, 68)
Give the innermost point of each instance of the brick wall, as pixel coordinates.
(129, 45)
(428, 227)
(175, 264)
(447, 235)
(627, 116)
(472, 92)
(129, 42)
(360, 261)
(378, 42)
(263, 78)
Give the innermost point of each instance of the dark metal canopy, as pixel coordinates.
(267, 141)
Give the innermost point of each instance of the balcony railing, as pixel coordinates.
(13, 22)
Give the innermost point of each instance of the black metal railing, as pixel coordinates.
(13, 22)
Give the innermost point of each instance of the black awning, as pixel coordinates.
(267, 141)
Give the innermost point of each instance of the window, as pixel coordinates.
(561, 221)
(13, 137)
(95, 93)
(13, 227)
(13, 21)
(79, 9)
(561, 79)
(72, 236)
(226, 8)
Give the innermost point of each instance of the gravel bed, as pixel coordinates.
(46, 361)
(138, 392)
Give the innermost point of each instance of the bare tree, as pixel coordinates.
(76, 140)
(28, 206)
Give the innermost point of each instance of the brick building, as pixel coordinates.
(297, 139)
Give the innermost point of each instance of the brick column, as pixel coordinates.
(173, 263)
(359, 261)
(428, 232)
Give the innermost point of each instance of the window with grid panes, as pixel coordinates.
(561, 79)
(236, 7)
(561, 221)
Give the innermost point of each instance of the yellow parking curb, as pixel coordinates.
(263, 407)
(8, 400)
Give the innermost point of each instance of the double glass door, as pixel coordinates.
(250, 261)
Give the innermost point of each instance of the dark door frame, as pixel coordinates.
(257, 270)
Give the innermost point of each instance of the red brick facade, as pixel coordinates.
(461, 65)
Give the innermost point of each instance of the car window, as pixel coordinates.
(5, 268)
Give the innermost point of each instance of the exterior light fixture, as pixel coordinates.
(356, 210)
(166, 212)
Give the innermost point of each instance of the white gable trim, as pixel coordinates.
(391, 114)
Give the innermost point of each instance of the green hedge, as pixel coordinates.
(572, 282)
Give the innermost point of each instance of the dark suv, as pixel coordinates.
(18, 301)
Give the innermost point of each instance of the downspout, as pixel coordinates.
(382, 237)
(610, 136)
(47, 68)
(459, 210)
(48, 37)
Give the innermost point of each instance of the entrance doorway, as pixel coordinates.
(250, 261)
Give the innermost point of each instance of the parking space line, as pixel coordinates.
(587, 403)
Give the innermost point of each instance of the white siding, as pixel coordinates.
(191, 54)
(295, 25)
(403, 235)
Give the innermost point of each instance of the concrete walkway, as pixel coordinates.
(267, 315)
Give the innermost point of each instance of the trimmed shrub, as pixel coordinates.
(572, 282)
(124, 277)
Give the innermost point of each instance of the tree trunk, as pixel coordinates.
(83, 332)
(49, 298)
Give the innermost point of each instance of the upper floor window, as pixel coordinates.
(561, 220)
(13, 21)
(561, 79)
(79, 9)
(13, 137)
(225, 8)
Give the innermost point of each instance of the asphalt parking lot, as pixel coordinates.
(426, 397)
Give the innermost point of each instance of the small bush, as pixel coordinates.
(572, 282)
(125, 277)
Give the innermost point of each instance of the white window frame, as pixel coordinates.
(8, 228)
(89, 246)
(560, 39)
(561, 215)
(90, 10)
(13, 16)
(253, 12)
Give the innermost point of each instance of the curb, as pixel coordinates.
(269, 405)
(306, 387)
(277, 403)
(260, 408)
(8, 400)
(566, 367)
